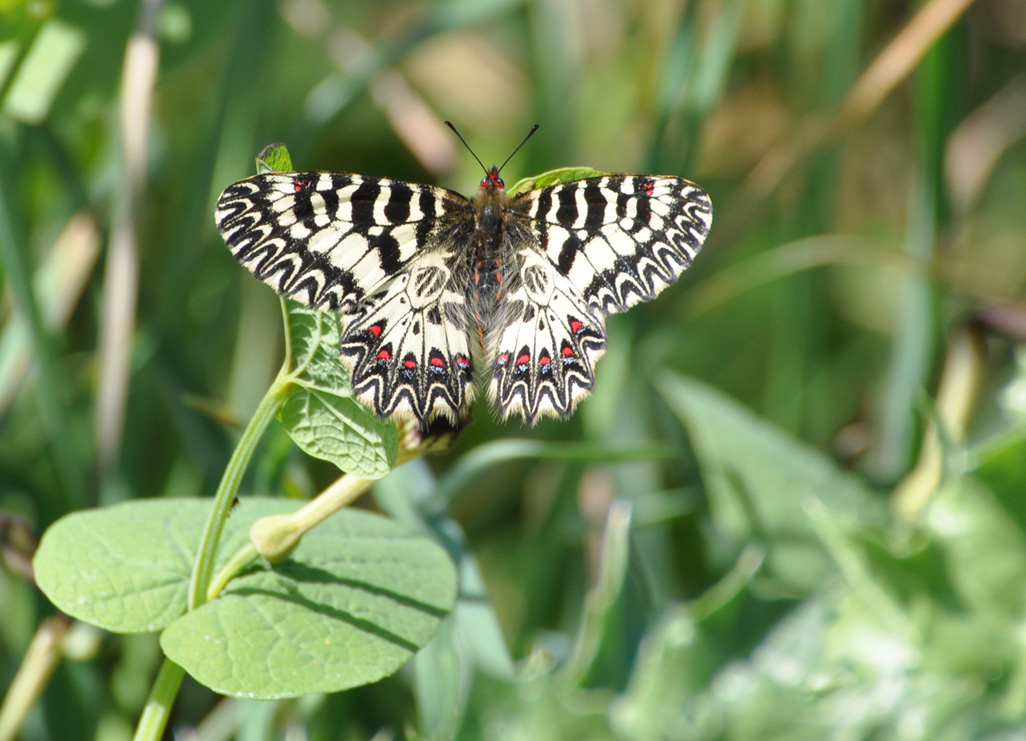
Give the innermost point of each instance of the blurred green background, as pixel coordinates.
(793, 506)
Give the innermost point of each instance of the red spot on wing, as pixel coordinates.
(375, 329)
(301, 184)
(568, 352)
(411, 364)
(524, 359)
(575, 326)
(436, 362)
(648, 187)
(384, 355)
(544, 360)
(502, 359)
(462, 362)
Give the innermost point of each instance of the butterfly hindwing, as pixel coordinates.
(408, 347)
(329, 239)
(546, 346)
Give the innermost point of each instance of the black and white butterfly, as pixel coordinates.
(414, 268)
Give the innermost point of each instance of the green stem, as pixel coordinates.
(154, 717)
(229, 487)
(242, 558)
(274, 537)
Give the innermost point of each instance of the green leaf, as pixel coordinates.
(126, 568)
(313, 346)
(341, 430)
(760, 480)
(555, 177)
(274, 158)
(986, 551)
(321, 415)
(357, 599)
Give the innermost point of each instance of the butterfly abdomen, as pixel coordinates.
(487, 260)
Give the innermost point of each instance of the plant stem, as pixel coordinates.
(242, 558)
(276, 536)
(158, 706)
(229, 487)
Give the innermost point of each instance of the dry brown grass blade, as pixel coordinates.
(59, 283)
(893, 65)
(121, 280)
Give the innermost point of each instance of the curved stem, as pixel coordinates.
(228, 488)
(275, 536)
(243, 557)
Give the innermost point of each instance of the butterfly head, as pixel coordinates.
(492, 179)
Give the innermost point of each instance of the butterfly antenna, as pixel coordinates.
(529, 134)
(460, 136)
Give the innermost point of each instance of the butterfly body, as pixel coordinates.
(414, 268)
(489, 206)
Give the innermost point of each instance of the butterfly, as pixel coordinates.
(417, 270)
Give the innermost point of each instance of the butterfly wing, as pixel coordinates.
(584, 250)
(382, 252)
(619, 239)
(408, 347)
(547, 342)
(331, 239)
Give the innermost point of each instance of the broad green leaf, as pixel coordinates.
(341, 430)
(760, 480)
(555, 177)
(126, 568)
(274, 158)
(321, 415)
(357, 599)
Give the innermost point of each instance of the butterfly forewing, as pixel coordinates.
(619, 239)
(413, 267)
(327, 239)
